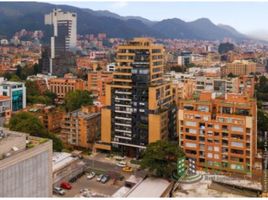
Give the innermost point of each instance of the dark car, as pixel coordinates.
(105, 179)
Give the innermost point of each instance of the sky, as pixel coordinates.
(247, 17)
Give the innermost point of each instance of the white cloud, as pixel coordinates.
(119, 4)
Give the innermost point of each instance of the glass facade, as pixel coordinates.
(17, 100)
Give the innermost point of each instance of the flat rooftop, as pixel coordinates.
(201, 188)
(150, 187)
(61, 159)
(12, 142)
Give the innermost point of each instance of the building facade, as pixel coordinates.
(219, 133)
(63, 39)
(80, 127)
(139, 104)
(25, 165)
(97, 82)
(62, 86)
(5, 110)
(17, 93)
(239, 67)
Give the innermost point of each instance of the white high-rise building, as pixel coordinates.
(64, 32)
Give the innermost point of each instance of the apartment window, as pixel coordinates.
(216, 149)
(203, 108)
(216, 126)
(188, 144)
(237, 144)
(193, 131)
(190, 137)
(216, 156)
(210, 155)
(188, 123)
(237, 128)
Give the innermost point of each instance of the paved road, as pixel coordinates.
(110, 167)
(102, 165)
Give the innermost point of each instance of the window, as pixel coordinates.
(188, 123)
(209, 155)
(188, 144)
(237, 128)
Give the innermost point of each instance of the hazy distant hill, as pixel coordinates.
(15, 16)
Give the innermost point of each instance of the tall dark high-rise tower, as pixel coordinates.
(62, 41)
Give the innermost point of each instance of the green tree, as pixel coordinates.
(231, 75)
(160, 158)
(14, 78)
(28, 123)
(75, 99)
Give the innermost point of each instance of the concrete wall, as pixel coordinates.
(27, 174)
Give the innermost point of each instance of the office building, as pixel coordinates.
(62, 86)
(97, 82)
(25, 165)
(185, 58)
(239, 67)
(139, 104)
(17, 93)
(219, 133)
(80, 127)
(63, 40)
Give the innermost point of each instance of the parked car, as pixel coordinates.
(66, 185)
(99, 177)
(91, 175)
(105, 179)
(127, 169)
(58, 190)
(119, 158)
(121, 164)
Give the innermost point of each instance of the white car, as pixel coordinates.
(99, 177)
(91, 175)
(59, 190)
(121, 164)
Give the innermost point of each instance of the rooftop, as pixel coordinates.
(150, 187)
(4, 98)
(12, 142)
(202, 187)
(61, 159)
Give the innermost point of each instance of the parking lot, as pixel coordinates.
(100, 165)
(100, 189)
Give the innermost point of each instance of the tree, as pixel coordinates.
(29, 123)
(231, 75)
(14, 78)
(75, 99)
(161, 157)
(34, 95)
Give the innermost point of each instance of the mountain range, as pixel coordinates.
(30, 16)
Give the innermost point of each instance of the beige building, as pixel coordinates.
(80, 127)
(239, 67)
(219, 133)
(62, 86)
